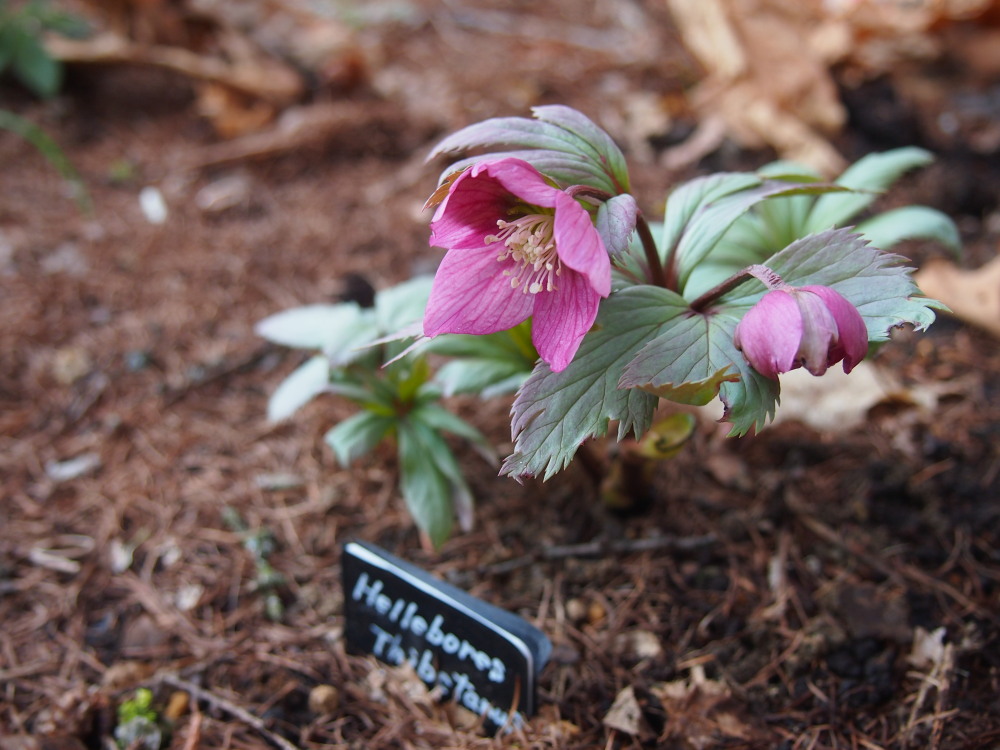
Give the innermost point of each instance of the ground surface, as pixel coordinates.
(796, 573)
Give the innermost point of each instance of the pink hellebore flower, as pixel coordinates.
(810, 326)
(517, 247)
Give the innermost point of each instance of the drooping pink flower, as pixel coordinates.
(809, 326)
(517, 248)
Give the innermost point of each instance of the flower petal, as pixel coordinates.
(819, 332)
(579, 245)
(470, 294)
(469, 212)
(562, 318)
(852, 333)
(769, 334)
(616, 220)
(521, 179)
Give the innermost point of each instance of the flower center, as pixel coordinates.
(530, 243)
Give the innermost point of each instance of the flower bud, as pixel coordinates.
(810, 326)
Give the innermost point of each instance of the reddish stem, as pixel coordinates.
(763, 274)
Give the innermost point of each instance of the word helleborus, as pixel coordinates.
(405, 613)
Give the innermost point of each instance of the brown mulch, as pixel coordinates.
(774, 591)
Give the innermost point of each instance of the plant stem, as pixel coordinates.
(762, 273)
(656, 276)
(586, 191)
(670, 275)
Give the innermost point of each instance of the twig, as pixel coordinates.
(200, 694)
(601, 547)
(707, 137)
(646, 544)
(27, 670)
(298, 128)
(263, 77)
(223, 371)
(194, 731)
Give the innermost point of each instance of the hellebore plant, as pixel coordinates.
(746, 277)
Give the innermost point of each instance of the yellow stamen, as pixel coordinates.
(530, 244)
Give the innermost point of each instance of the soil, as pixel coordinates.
(793, 579)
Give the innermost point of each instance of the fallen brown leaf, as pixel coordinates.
(625, 715)
(767, 63)
(972, 295)
(695, 709)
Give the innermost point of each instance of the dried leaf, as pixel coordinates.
(765, 80)
(973, 296)
(694, 709)
(835, 402)
(767, 62)
(930, 653)
(625, 714)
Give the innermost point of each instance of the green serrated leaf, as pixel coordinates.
(687, 199)
(875, 282)
(402, 304)
(438, 451)
(693, 359)
(480, 376)
(407, 377)
(348, 385)
(340, 331)
(710, 274)
(749, 402)
(513, 345)
(308, 327)
(357, 435)
(871, 175)
(510, 131)
(563, 168)
(677, 364)
(439, 418)
(604, 149)
(304, 383)
(782, 220)
(712, 219)
(426, 491)
(911, 223)
(694, 393)
(555, 412)
(560, 142)
(790, 171)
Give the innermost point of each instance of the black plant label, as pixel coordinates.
(482, 657)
